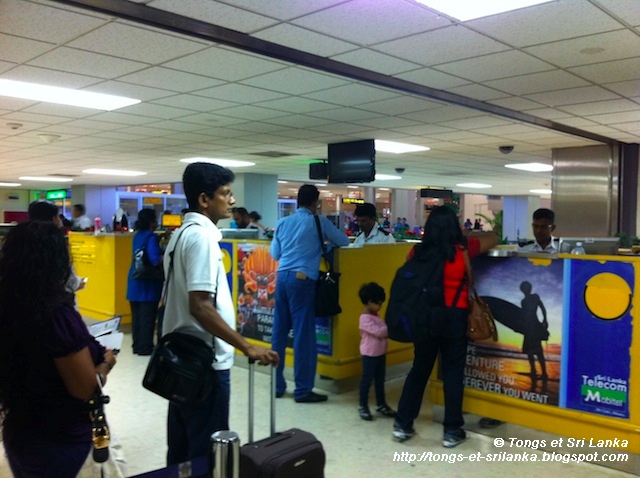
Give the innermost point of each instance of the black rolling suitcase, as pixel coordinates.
(293, 453)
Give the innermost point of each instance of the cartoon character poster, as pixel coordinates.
(525, 297)
(256, 290)
(598, 324)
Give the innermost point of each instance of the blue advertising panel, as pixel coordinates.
(597, 321)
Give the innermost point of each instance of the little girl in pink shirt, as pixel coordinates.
(373, 347)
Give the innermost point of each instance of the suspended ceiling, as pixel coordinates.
(574, 63)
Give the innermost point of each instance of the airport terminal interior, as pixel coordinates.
(271, 83)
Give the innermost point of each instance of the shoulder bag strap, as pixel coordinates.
(466, 279)
(169, 273)
(322, 244)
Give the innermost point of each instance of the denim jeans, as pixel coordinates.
(143, 323)
(189, 429)
(452, 345)
(295, 309)
(373, 370)
(46, 461)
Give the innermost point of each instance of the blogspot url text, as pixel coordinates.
(429, 456)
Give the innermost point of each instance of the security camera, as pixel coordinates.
(505, 149)
(400, 170)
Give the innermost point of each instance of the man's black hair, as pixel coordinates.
(42, 210)
(80, 208)
(366, 210)
(205, 178)
(372, 292)
(307, 195)
(544, 213)
(242, 211)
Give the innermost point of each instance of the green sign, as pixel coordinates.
(58, 194)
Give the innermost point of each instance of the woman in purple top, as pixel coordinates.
(48, 359)
(373, 348)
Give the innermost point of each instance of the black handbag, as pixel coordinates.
(327, 286)
(181, 366)
(180, 369)
(142, 266)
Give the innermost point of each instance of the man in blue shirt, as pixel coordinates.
(297, 246)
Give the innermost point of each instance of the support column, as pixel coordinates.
(404, 203)
(517, 212)
(256, 192)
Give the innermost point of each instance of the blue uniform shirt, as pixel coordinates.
(296, 243)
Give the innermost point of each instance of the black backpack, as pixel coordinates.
(416, 307)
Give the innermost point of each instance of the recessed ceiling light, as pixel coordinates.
(531, 167)
(383, 189)
(64, 96)
(540, 191)
(464, 10)
(353, 187)
(320, 184)
(283, 182)
(397, 148)
(474, 185)
(227, 163)
(387, 177)
(9, 185)
(113, 172)
(53, 179)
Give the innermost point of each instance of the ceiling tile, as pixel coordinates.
(305, 40)
(240, 93)
(432, 78)
(572, 96)
(44, 76)
(20, 50)
(169, 79)
(444, 45)
(627, 10)
(625, 88)
(195, 102)
(86, 63)
(359, 21)
(545, 23)
(295, 81)
(284, 10)
(611, 71)
(135, 43)
(497, 65)
(400, 105)
(537, 82)
(352, 94)
(615, 46)
(297, 105)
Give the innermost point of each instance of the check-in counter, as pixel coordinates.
(105, 260)
(252, 276)
(584, 380)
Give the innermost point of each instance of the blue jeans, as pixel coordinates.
(373, 370)
(189, 429)
(47, 461)
(143, 323)
(452, 345)
(295, 309)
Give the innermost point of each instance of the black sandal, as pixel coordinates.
(365, 414)
(386, 410)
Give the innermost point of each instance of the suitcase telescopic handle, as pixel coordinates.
(252, 370)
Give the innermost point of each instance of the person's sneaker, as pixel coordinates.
(401, 434)
(486, 422)
(452, 440)
(386, 410)
(365, 414)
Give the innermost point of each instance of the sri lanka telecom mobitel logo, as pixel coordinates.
(604, 390)
(608, 297)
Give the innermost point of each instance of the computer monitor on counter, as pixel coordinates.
(231, 233)
(592, 245)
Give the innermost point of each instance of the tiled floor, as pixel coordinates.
(354, 448)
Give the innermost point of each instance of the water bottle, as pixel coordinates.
(96, 225)
(578, 250)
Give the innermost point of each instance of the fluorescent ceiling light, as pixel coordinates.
(52, 179)
(283, 182)
(227, 163)
(383, 189)
(113, 172)
(464, 10)
(9, 185)
(531, 167)
(320, 184)
(540, 191)
(474, 185)
(397, 148)
(387, 177)
(64, 96)
(353, 187)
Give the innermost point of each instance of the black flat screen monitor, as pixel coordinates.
(352, 162)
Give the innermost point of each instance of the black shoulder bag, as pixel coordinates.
(180, 368)
(327, 287)
(142, 266)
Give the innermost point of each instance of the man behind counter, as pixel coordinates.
(371, 232)
(543, 225)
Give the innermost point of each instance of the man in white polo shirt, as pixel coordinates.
(199, 302)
